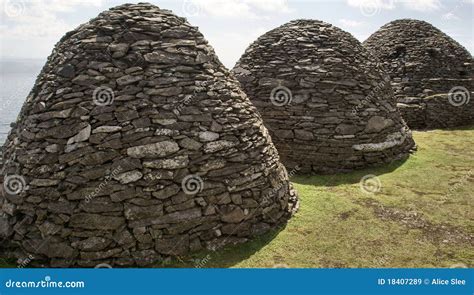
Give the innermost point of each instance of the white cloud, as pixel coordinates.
(350, 23)
(417, 5)
(450, 16)
(230, 52)
(243, 9)
(372, 4)
(455, 34)
(26, 19)
(269, 5)
(225, 9)
(422, 5)
(69, 5)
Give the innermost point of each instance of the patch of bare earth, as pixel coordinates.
(437, 233)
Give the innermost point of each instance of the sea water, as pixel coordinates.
(17, 77)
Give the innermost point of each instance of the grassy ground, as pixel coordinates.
(422, 216)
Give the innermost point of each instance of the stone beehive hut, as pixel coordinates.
(324, 100)
(432, 75)
(136, 144)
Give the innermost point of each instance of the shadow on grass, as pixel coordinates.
(467, 127)
(457, 128)
(225, 257)
(7, 263)
(346, 178)
(232, 255)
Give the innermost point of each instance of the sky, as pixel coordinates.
(30, 28)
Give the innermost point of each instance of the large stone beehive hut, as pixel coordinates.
(326, 103)
(432, 75)
(135, 144)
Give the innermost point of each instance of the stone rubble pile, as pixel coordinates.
(136, 144)
(432, 75)
(326, 102)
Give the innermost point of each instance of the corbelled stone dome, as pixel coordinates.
(136, 143)
(432, 74)
(324, 99)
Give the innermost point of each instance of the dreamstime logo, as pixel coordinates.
(177, 111)
(14, 8)
(373, 95)
(462, 182)
(200, 263)
(274, 191)
(47, 282)
(103, 265)
(103, 96)
(452, 14)
(379, 261)
(103, 184)
(192, 184)
(14, 184)
(370, 184)
(25, 261)
(372, 7)
(458, 265)
(281, 265)
(191, 7)
(281, 96)
(459, 96)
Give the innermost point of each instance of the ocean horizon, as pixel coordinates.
(17, 77)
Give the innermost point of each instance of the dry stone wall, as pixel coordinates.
(326, 102)
(136, 144)
(432, 75)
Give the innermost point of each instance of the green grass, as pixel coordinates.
(422, 216)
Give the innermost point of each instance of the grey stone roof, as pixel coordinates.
(423, 62)
(325, 99)
(135, 144)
